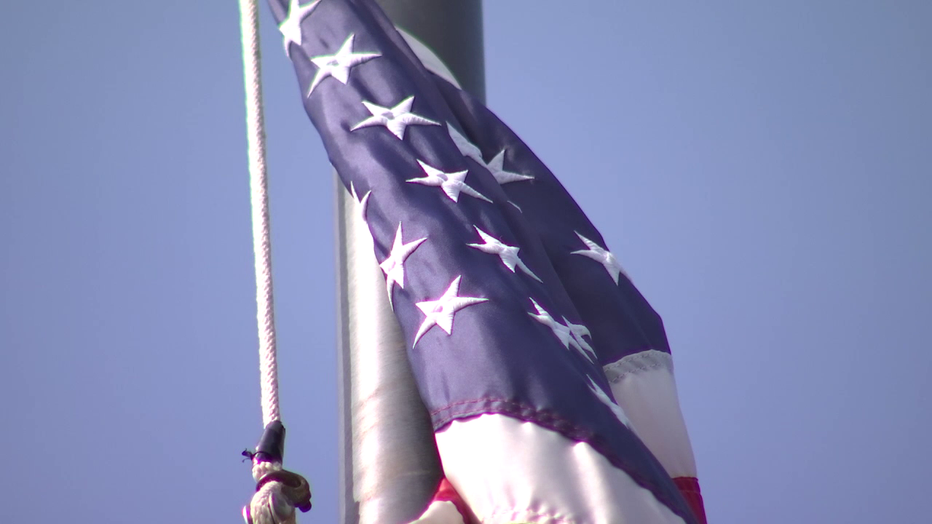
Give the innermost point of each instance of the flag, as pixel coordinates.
(547, 375)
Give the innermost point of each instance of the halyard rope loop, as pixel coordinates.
(278, 491)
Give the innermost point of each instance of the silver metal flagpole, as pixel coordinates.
(389, 466)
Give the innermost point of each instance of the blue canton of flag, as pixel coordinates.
(509, 301)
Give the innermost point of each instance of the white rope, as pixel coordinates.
(258, 183)
(278, 491)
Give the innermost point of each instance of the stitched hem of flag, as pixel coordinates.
(637, 363)
(528, 516)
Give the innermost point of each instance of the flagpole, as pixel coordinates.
(389, 467)
(452, 30)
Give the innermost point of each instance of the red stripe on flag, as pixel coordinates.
(446, 492)
(689, 487)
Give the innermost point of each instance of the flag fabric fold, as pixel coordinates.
(547, 375)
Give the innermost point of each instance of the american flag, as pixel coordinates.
(509, 300)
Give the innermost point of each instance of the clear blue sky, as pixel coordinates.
(763, 171)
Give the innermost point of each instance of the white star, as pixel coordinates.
(508, 254)
(569, 334)
(602, 256)
(440, 312)
(338, 65)
(561, 331)
(451, 183)
(291, 25)
(578, 331)
(495, 166)
(362, 205)
(394, 265)
(604, 398)
(466, 147)
(396, 119)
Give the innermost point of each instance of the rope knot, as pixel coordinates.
(278, 491)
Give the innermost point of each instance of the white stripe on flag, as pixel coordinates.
(508, 471)
(644, 387)
(428, 58)
(440, 512)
